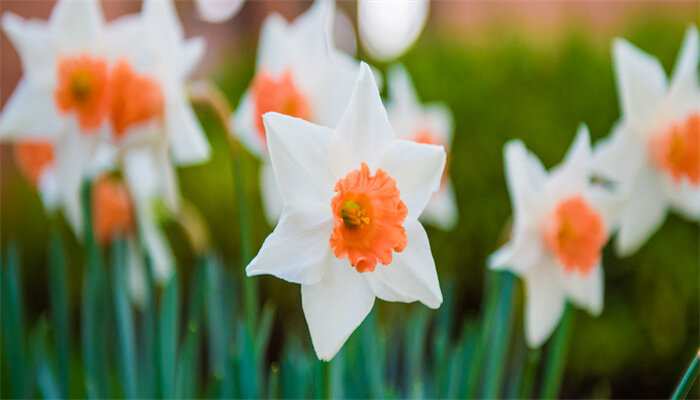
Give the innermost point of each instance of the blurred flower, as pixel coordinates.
(36, 160)
(299, 73)
(63, 95)
(561, 224)
(653, 154)
(430, 124)
(389, 27)
(349, 230)
(218, 10)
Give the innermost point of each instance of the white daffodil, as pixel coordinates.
(63, 93)
(561, 224)
(218, 10)
(349, 230)
(389, 27)
(653, 154)
(299, 74)
(431, 124)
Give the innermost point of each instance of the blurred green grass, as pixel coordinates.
(500, 88)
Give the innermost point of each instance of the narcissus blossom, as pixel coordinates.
(389, 27)
(561, 224)
(431, 124)
(299, 73)
(349, 229)
(36, 160)
(653, 154)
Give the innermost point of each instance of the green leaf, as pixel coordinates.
(59, 312)
(557, 352)
(167, 337)
(125, 324)
(495, 366)
(12, 324)
(187, 363)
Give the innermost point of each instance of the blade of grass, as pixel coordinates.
(125, 324)
(688, 379)
(12, 324)
(493, 380)
(167, 337)
(59, 312)
(556, 356)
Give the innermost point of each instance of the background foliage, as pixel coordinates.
(499, 88)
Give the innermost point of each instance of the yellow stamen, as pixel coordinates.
(354, 215)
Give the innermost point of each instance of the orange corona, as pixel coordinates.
(82, 88)
(677, 150)
(33, 157)
(369, 217)
(134, 99)
(575, 234)
(278, 95)
(111, 209)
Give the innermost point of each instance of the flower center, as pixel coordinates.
(279, 95)
(576, 234)
(135, 98)
(369, 217)
(111, 209)
(82, 89)
(677, 150)
(33, 157)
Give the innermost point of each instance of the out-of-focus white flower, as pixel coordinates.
(653, 154)
(63, 93)
(36, 160)
(431, 124)
(561, 224)
(349, 230)
(218, 10)
(299, 74)
(389, 27)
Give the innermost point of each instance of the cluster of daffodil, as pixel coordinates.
(344, 177)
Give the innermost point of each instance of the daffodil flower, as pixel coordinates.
(63, 94)
(349, 229)
(218, 10)
(389, 27)
(298, 73)
(653, 154)
(36, 160)
(431, 124)
(561, 224)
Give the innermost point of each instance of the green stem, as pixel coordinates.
(556, 356)
(528, 383)
(327, 380)
(59, 310)
(686, 383)
(501, 335)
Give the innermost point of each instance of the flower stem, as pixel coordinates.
(495, 367)
(207, 94)
(556, 356)
(686, 383)
(327, 380)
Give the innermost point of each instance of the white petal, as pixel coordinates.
(271, 197)
(521, 253)
(643, 214)
(544, 303)
(335, 306)
(389, 28)
(298, 249)
(19, 116)
(363, 133)
(344, 34)
(245, 128)
(298, 151)
(273, 49)
(192, 52)
(155, 242)
(312, 34)
(683, 93)
(141, 174)
(411, 275)
(441, 210)
(641, 83)
(417, 169)
(585, 291)
(72, 154)
(439, 117)
(125, 36)
(619, 157)
(34, 44)
(50, 189)
(218, 10)
(404, 100)
(77, 25)
(573, 174)
(526, 180)
(685, 198)
(188, 142)
(162, 17)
